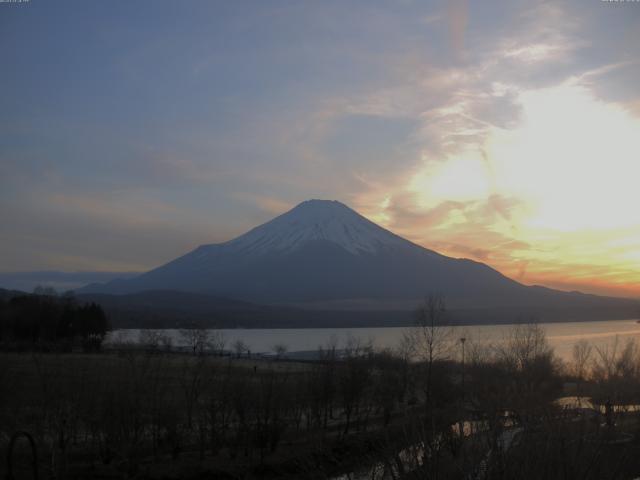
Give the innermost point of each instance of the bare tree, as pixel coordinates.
(403, 352)
(357, 347)
(524, 345)
(167, 342)
(616, 370)
(197, 339)
(239, 347)
(217, 341)
(431, 338)
(353, 379)
(191, 381)
(581, 354)
(605, 359)
(280, 349)
(432, 335)
(150, 339)
(529, 365)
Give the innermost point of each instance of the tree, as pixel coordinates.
(217, 341)
(616, 371)
(150, 339)
(431, 338)
(528, 363)
(239, 347)
(93, 325)
(51, 322)
(197, 339)
(280, 349)
(581, 354)
(524, 346)
(191, 380)
(353, 378)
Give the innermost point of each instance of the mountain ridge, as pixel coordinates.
(322, 251)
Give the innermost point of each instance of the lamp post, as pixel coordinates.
(462, 413)
(462, 341)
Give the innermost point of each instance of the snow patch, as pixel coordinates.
(312, 220)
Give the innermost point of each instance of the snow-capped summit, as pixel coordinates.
(323, 254)
(319, 250)
(323, 251)
(313, 220)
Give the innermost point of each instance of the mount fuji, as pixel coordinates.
(322, 254)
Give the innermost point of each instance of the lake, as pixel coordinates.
(561, 336)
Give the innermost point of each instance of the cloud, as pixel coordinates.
(85, 231)
(465, 229)
(457, 20)
(206, 122)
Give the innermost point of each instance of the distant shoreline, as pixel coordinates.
(382, 325)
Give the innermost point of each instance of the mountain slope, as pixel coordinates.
(322, 252)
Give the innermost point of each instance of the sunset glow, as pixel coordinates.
(472, 128)
(568, 173)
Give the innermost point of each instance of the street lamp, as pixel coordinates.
(462, 341)
(461, 427)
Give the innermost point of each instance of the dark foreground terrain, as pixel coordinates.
(146, 413)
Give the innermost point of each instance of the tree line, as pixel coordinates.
(46, 320)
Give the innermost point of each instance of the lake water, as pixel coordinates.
(561, 336)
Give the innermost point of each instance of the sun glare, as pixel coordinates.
(574, 159)
(573, 162)
(461, 178)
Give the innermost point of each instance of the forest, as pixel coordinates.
(46, 321)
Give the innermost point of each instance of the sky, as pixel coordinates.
(505, 132)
